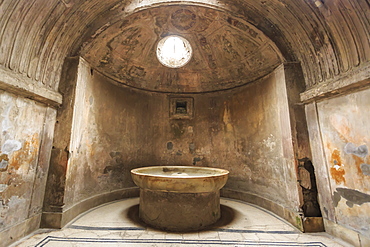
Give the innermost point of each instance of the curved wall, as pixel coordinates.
(109, 130)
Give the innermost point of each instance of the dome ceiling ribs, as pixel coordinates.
(64, 34)
(21, 11)
(26, 54)
(288, 22)
(330, 39)
(7, 9)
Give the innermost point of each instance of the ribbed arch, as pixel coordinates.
(329, 38)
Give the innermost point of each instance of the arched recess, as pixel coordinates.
(283, 80)
(329, 38)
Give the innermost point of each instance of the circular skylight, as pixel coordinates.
(174, 51)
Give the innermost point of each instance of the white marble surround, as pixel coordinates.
(116, 224)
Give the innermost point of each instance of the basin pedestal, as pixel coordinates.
(179, 198)
(180, 212)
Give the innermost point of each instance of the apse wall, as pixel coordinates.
(115, 129)
(111, 129)
(241, 130)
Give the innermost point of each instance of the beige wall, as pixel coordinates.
(25, 142)
(116, 129)
(253, 131)
(111, 134)
(340, 142)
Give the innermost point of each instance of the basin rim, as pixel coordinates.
(222, 172)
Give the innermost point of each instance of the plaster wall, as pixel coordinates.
(340, 140)
(239, 130)
(115, 129)
(112, 132)
(26, 136)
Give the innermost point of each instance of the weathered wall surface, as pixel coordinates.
(225, 50)
(116, 129)
(238, 130)
(329, 38)
(111, 134)
(344, 162)
(25, 143)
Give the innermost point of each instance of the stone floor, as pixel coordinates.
(117, 224)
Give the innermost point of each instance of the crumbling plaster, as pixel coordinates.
(226, 50)
(329, 38)
(340, 131)
(27, 131)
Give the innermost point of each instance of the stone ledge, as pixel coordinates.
(346, 234)
(350, 82)
(23, 86)
(60, 219)
(293, 218)
(15, 233)
(313, 224)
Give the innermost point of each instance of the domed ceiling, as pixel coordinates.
(227, 51)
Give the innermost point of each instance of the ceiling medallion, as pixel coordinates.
(174, 51)
(183, 19)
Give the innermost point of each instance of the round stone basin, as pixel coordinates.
(180, 179)
(179, 198)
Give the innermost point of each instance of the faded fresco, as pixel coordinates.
(346, 140)
(25, 143)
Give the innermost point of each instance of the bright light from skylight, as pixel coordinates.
(174, 51)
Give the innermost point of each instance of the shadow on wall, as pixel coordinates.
(311, 207)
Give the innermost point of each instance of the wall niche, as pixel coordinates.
(181, 107)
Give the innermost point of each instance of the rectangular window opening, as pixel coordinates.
(181, 107)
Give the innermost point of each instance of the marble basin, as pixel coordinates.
(180, 179)
(179, 198)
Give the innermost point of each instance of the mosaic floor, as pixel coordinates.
(117, 224)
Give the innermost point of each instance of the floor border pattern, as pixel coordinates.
(50, 239)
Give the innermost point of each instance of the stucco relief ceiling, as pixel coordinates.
(227, 51)
(330, 40)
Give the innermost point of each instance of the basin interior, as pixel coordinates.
(178, 171)
(181, 179)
